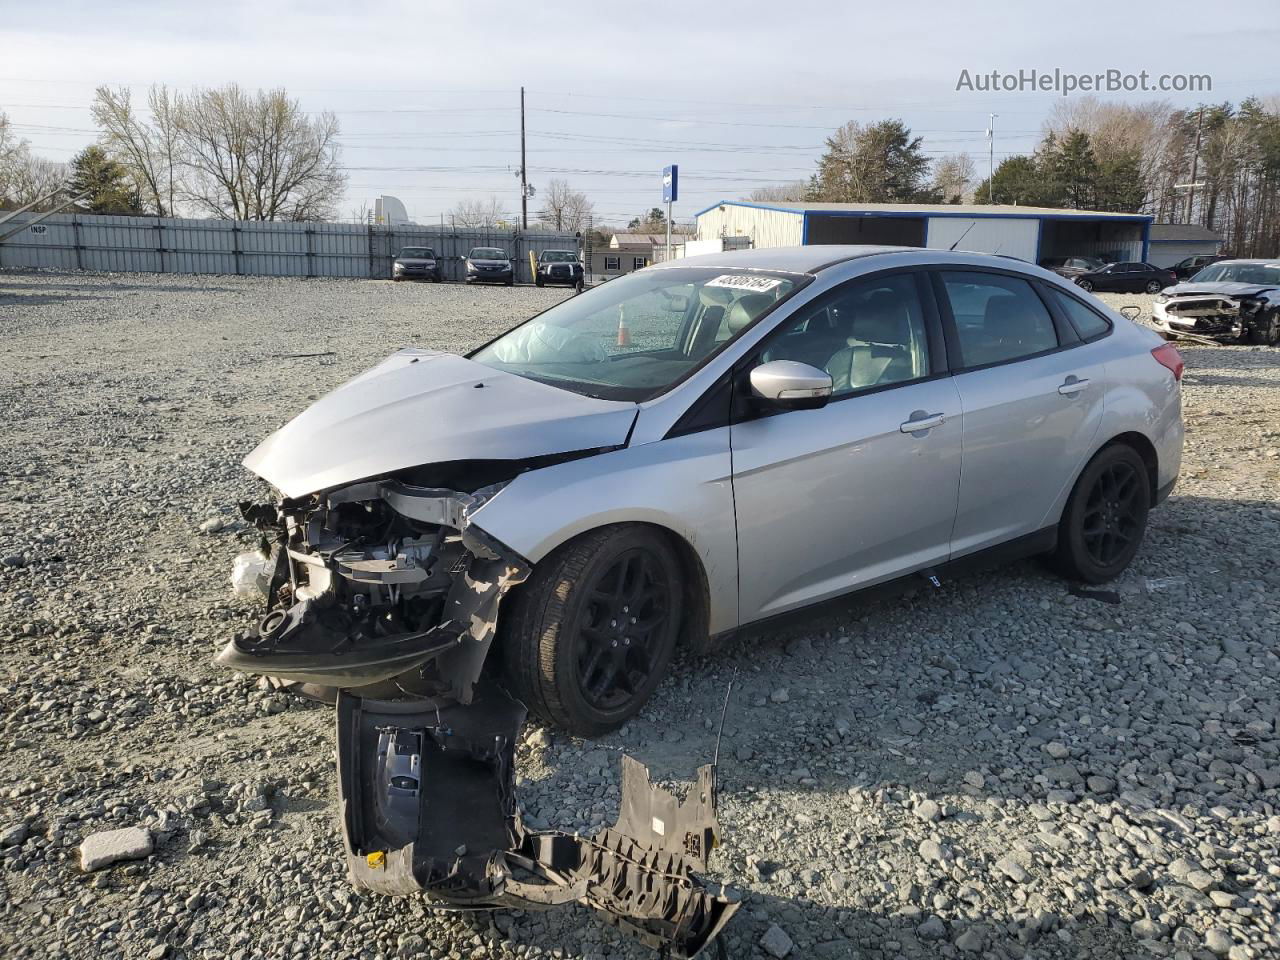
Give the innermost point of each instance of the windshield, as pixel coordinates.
(559, 256)
(639, 335)
(418, 253)
(1267, 274)
(488, 253)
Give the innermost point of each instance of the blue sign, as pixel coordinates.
(670, 183)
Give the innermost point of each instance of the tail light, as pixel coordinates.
(1167, 355)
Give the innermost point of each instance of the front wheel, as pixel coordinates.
(1085, 285)
(1153, 286)
(589, 637)
(539, 282)
(1106, 517)
(1265, 331)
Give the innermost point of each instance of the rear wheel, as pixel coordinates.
(1154, 286)
(1106, 516)
(1085, 284)
(588, 638)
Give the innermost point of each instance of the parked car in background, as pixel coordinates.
(490, 265)
(1127, 277)
(1235, 300)
(1072, 267)
(1188, 268)
(559, 266)
(416, 263)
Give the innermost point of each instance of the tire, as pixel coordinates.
(539, 282)
(1266, 332)
(511, 282)
(1154, 286)
(1106, 516)
(1085, 285)
(562, 639)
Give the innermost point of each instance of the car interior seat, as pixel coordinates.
(879, 351)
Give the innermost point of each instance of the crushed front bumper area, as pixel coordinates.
(428, 805)
(383, 598)
(1211, 316)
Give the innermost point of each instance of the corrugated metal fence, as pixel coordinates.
(254, 248)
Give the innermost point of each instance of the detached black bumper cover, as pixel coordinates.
(428, 805)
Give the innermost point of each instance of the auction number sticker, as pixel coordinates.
(736, 281)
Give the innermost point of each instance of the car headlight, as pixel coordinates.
(1162, 298)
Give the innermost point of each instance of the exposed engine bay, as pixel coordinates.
(383, 598)
(1225, 312)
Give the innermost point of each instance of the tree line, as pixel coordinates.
(1217, 166)
(222, 152)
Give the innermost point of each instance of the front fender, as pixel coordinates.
(682, 484)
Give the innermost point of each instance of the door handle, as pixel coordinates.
(922, 421)
(1073, 386)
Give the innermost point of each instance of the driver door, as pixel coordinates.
(849, 495)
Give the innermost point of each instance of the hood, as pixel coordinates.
(420, 407)
(1229, 288)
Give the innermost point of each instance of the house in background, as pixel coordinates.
(1172, 243)
(628, 252)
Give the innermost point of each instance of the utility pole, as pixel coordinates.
(991, 159)
(1195, 163)
(524, 174)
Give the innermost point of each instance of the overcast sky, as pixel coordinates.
(739, 94)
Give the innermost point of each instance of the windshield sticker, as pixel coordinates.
(738, 282)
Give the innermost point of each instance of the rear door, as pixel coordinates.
(849, 495)
(1031, 390)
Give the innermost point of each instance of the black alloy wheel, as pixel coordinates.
(1106, 516)
(623, 626)
(587, 639)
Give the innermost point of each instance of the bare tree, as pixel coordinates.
(780, 192)
(25, 177)
(478, 213)
(225, 152)
(564, 208)
(258, 156)
(952, 176)
(150, 150)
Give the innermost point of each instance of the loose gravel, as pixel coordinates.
(995, 768)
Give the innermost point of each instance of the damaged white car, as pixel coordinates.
(694, 447)
(1231, 300)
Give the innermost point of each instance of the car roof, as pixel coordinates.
(1261, 261)
(815, 258)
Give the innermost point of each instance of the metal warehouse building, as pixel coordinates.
(1029, 233)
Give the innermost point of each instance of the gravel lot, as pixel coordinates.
(995, 768)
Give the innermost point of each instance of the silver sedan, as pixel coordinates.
(699, 446)
(702, 445)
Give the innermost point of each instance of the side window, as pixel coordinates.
(1087, 323)
(868, 333)
(998, 318)
(613, 263)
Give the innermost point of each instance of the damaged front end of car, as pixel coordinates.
(384, 598)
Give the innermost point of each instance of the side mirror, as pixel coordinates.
(791, 385)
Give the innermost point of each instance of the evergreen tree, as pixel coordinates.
(105, 181)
